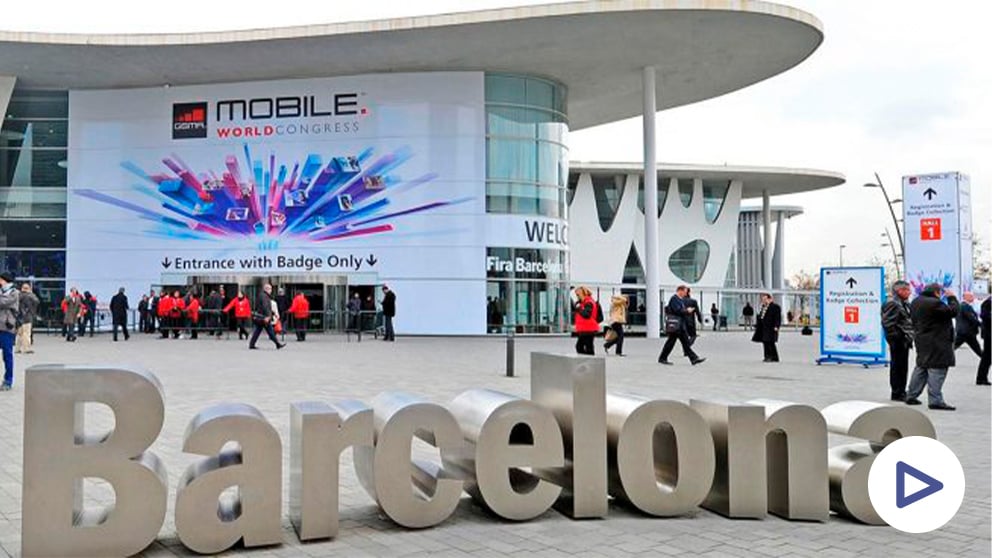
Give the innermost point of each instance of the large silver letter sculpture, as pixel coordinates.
(849, 464)
(661, 455)
(318, 434)
(574, 388)
(386, 471)
(771, 456)
(208, 523)
(58, 455)
(505, 433)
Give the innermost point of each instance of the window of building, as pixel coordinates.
(608, 192)
(688, 263)
(714, 194)
(662, 194)
(685, 191)
(633, 271)
(22, 233)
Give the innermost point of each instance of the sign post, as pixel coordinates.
(937, 217)
(851, 301)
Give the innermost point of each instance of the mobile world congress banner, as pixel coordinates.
(851, 301)
(937, 218)
(339, 175)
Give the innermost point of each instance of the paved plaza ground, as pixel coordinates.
(196, 374)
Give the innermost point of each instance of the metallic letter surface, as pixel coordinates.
(386, 471)
(318, 434)
(506, 433)
(208, 524)
(574, 389)
(58, 456)
(661, 455)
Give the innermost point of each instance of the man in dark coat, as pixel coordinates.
(143, 314)
(118, 313)
(677, 310)
(966, 325)
(933, 322)
(767, 325)
(388, 312)
(898, 328)
(263, 316)
(690, 324)
(153, 299)
(983, 366)
(748, 314)
(213, 308)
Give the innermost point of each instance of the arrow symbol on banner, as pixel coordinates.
(166, 263)
(371, 260)
(929, 193)
(851, 282)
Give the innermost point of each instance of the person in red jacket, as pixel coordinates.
(300, 310)
(176, 314)
(165, 303)
(242, 313)
(193, 314)
(587, 317)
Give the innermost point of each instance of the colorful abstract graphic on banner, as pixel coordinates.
(937, 225)
(851, 301)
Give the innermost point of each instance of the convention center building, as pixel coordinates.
(429, 154)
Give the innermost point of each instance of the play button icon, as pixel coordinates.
(902, 470)
(916, 484)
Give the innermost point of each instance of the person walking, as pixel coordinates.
(89, 316)
(388, 312)
(677, 316)
(693, 306)
(715, 315)
(748, 314)
(618, 318)
(193, 315)
(264, 317)
(898, 327)
(967, 325)
(588, 316)
(164, 309)
(300, 310)
(983, 365)
(354, 309)
(241, 307)
(118, 313)
(72, 313)
(9, 307)
(934, 329)
(766, 327)
(27, 309)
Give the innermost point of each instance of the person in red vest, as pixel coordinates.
(242, 313)
(165, 304)
(300, 310)
(193, 313)
(588, 314)
(176, 314)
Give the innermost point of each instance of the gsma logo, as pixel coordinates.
(189, 120)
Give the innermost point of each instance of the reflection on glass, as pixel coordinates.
(688, 263)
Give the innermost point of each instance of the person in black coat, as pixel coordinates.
(118, 313)
(143, 314)
(677, 311)
(898, 328)
(690, 324)
(983, 365)
(933, 322)
(388, 312)
(767, 325)
(966, 325)
(264, 318)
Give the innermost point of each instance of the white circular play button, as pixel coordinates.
(916, 484)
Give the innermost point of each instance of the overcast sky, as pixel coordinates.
(898, 87)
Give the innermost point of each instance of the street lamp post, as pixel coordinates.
(842, 246)
(889, 202)
(890, 244)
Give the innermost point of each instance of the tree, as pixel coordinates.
(803, 281)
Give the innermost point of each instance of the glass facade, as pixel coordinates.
(714, 194)
(688, 263)
(526, 174)
(33, 163)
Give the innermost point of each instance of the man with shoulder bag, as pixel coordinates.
(263, 318)
(677, 314)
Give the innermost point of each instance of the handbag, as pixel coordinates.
(611, 335)
(673, 323)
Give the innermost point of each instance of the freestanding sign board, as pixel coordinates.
(851, 301)
(937, 217)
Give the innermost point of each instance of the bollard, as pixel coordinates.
(509, 353)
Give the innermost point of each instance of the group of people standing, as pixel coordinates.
(936, 324)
